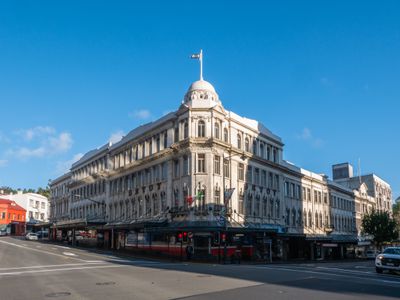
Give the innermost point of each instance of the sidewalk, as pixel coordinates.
(124, 254)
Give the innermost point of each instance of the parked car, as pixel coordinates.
(371, 254)
(389, 260)
(42, 234)
(31, 236)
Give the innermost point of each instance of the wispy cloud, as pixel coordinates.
(64, 166)
(3, 162)
(307, 136)
(43, 141)
(4, 138)
(116, 136)
(38, 131)
(141, 114)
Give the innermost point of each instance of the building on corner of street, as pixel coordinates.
(12, 218)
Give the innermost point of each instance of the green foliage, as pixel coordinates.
(381, 226)
(44, 192)
(7, 190)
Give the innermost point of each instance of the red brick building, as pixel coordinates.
(12, 217)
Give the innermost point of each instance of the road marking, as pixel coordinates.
(38, 246)
(69, 254)
(63, 247)
(56, 270)
(52, 266)
(37, 250)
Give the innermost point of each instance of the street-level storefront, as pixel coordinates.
(199, 240)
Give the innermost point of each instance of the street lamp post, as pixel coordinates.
(224, 198)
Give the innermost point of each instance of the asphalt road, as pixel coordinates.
(34, 270)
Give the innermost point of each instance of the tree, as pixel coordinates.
(381, 226)
(44, 191)
(396, 212)
(7, 190)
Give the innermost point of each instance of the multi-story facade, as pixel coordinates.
(205, 176)
(370, 193)
(12, 218)
(36, 206)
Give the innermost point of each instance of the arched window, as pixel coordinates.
(293, 217)
(247, 145)
(320, 219)
(239, 141)
(316, 220)
(226, 135)
(309, 219)
(216, 130)
(299, 218)
(201, 129)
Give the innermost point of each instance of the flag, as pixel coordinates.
(198, 56)
(189, 200)
(195, 56)
(228, 195)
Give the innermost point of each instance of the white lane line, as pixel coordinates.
(69, 254)
(89, 263)
(63, 247)
(57, 270)
(41, 251)
(344, 270)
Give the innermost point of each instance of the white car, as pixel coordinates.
(389, 260)
(31, 236)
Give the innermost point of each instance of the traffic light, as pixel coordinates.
(223, 237)
(185, 237)
(180, 236)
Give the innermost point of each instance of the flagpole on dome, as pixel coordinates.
(200, 58)
(201, 64)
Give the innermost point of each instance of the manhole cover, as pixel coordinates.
(105, 283)
(59, 294)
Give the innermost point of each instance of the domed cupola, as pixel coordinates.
(201, 90)
(201, 93)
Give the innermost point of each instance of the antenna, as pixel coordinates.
(359, 169)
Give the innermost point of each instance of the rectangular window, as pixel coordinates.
(226, 168)
(241, 171)
(176, 168)
(309, 194)
(186, 170)
(270, 180)
(257, 176)
(264, 178)
(201, 163)
(287, 192)
(217, 164)
(241, 204)
(249, 175)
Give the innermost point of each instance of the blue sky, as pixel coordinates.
(323, 75)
